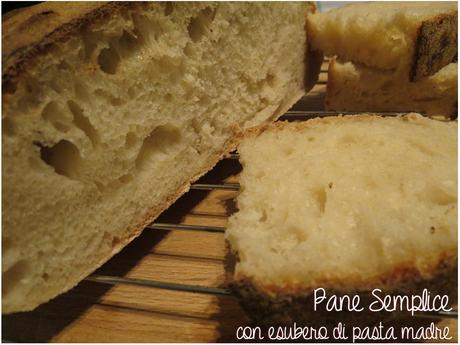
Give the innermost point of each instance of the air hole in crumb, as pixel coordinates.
(311, 139)
(81, 92)
(271, 80)
(263, 216)
(160, 140)
(131, 140)
(133, 91)
(347, 139)
(169, 8)
(188, 50)
(298, 233)
(90, 39)
(168, 97)
(82, 122)
(108, 60)
(115, 241)
(13, 276)
(129, 43)
(370, 183)
(421, 147)
(439, 197)
(64, 157)
(198, 26)
(45, 276)
(7, 127)
(288, 150)
(53, 114)
(321, 198)
(442, 229)
(125, 178)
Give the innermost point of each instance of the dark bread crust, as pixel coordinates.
(435, 46)
(268, 306)
(32, 31)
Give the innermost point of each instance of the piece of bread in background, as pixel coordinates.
(416, 38)
(111, 110)
(352, 87)
(350, 204)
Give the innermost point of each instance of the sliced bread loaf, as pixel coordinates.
(111, 110)
(350, 204)
(417, 38)
(351, 87)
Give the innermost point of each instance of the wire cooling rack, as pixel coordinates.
(33, 326)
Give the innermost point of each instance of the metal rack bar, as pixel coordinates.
(232, 156)
(310, 114)
(210, 186)
(167, 226)
(157, 284)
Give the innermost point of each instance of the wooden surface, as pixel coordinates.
(94, 312)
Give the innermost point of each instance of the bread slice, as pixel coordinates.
(352, 87)
(417, 38)
(349, 204)
(111, 110)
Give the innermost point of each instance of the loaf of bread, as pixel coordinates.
(350, 204)
(111, 110)
(416, 38)
(353, 87)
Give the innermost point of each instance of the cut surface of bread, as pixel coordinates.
(347, 204)
(418, 38)
(351, 87)
(111, 110)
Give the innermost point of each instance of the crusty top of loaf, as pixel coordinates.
(417, 37)
(420, 9)
(31, 31)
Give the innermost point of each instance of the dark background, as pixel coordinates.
(12, 5)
